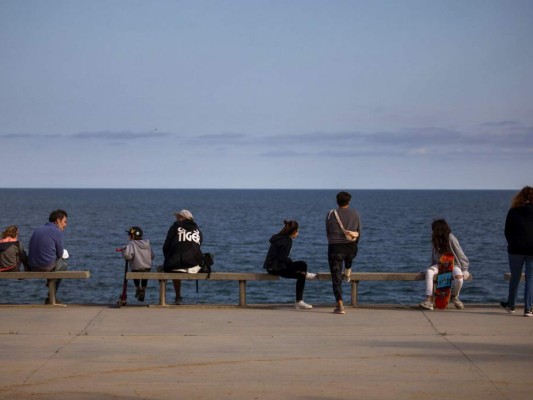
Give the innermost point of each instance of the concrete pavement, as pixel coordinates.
(201, 352)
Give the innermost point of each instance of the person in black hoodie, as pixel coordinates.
(519, 235)
(278, 262)
(182, 248)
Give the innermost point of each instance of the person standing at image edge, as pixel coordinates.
(519, 235)
(341, 250)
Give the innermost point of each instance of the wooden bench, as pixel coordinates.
(163, 277)
(52, 277)
(507, 276)
(356, 277)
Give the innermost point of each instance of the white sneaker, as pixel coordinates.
(458, 303)
(339, 310)
(300, 305)
(346, 275)
(310, 276)
(426, 305)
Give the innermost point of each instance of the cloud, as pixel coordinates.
(509, 139)
(491, 139)
(16, 136)
(103, 135)
(121, 136)
(222, 138)
(500, 124)
(283, 154)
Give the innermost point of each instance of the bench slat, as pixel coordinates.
(383, 276)
(379, 276)
(46, 275)
(214, 276)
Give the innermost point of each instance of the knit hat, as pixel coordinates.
(184, 213)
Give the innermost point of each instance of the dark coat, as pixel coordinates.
(182, 246)
(277, 257)
(519, 230)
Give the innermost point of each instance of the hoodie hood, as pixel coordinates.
(141, 244)
(188, 225)
(278, 253)
(277, 237)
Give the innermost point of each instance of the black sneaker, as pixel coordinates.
(528, 313)
(507, 307)
(141, 295)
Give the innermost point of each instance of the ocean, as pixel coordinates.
(396, 237)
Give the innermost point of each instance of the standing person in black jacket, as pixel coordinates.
(182, 248)
(519, 235)
(278, 262)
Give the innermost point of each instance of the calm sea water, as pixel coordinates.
(237, 225)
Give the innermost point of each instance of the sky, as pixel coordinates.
(399, 94)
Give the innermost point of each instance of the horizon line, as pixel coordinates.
(231, 188)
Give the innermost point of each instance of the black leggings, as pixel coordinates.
(340, 255)
(295, 270)
(143, 283)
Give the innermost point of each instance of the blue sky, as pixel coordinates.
(267, 94)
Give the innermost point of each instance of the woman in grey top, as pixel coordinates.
(443, 242)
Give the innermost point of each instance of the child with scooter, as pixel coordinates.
(139, 254)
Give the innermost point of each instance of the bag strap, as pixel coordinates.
(339, 220)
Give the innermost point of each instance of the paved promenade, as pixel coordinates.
(95, 352)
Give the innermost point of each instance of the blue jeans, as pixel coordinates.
(516, 261)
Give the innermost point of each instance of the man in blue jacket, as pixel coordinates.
(46, 250)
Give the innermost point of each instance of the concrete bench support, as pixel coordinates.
(52, 277)
(163, 277)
